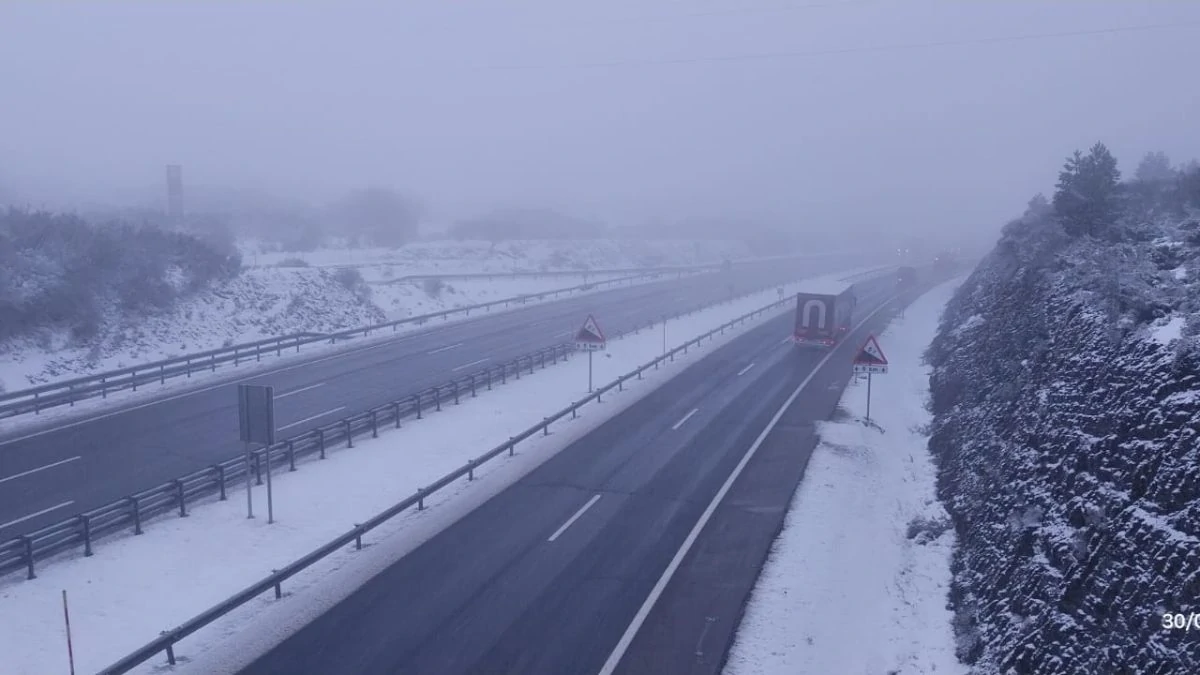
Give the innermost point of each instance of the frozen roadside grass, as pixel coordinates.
(134, 587)
(857, 581)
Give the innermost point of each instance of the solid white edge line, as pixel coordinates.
(309, 419)
(618, 652)
(40, 468)
(745, 370)
(468, 365)
(35, 515)
(572, 519)
(686, 417)
(301, 389)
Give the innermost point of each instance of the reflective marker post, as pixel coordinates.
(256, 413)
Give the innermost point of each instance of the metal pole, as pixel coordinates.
(67, 618)
(270, 500)
(249, 493)
(590, 352)
(868, 396)
(664, 334)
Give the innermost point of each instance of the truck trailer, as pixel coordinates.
(824, 315)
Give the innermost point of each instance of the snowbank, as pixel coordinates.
(857, 581)
(133, 587)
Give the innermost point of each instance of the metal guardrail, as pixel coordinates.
(82, 530)
(167, 639)
(67, 392)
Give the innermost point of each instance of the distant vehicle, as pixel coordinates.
(906, 278)
(824, 315)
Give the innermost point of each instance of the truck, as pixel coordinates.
(824, 314)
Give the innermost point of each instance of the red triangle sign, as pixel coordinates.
(870, 354)
(590, 332)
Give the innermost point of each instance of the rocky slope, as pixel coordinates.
(1066, 402)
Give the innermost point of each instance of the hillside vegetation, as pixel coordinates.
(1066, 402)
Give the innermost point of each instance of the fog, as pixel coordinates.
(873, 116)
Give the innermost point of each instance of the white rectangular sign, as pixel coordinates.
(874, 370)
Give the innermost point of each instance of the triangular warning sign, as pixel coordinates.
(590, 332)
(871, 354)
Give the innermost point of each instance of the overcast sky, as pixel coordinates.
(622, 109)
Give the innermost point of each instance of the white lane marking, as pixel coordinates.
(685, 418)
(447, 348)
(35, 515)
(623, 644)
(745, 370)
(572, 519)
(786, 340)
(301, 389)
(565, 333)
(468, 365)
(309, 419)
(40, 468)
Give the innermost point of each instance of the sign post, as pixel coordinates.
(870, 360)
(590, 339)
(256, 412)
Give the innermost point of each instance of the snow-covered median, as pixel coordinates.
(134, 587)
(857, 581)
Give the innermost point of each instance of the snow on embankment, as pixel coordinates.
(452, 257)
(857, 580)
(257, 304)
(1066, 402)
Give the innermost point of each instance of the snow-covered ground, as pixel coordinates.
(266, 301)
(133, 587)
(857, 581)
(455, 257)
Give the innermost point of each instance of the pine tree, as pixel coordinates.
(1086, 196)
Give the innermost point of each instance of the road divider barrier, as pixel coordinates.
(165, 643)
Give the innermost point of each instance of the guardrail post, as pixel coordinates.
(489, 378)
(278, 587)
(182, 500)
(504, 373)
(257, 470)
(349, 434)
(374, 424)
(517, 366)
(321, 442)
(358, 537)
(136, 512)
(437, 397)
(133, 376)
(213, 358)
(162, 374)
(417, 404)
(170, 652)
(220, 469)
(291, 452)
(471, 470)
(530, 365)
(258, 352)
(511, 445)
(542, 356)
(28, 541)
(396, 406)
(621, 384)
(85, 523)
(545, 426)
(420, 499)
(455, 385)
(472, 385)
(236, 356)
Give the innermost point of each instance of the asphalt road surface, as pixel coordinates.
(546, 577)
(54, 473)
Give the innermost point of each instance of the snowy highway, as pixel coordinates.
(52, 473)
(630, 551)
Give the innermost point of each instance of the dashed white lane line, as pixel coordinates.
(572, 519)
(35, 515)
(447, 348)
(685, 419)
(301, 389)
(468, 365)
(745, 370)
(40, 468)
(309, 419)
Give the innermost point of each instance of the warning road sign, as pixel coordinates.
(870, 358)
(590, 336)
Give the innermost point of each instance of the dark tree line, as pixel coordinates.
(59, 271)
(1091, 200)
